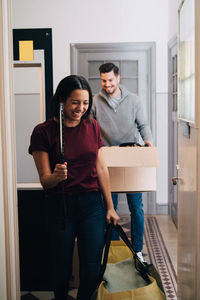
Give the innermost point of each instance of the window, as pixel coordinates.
(186, 86)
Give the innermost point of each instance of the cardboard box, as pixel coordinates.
(132, 169)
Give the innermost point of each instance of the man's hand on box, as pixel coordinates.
(148, 144)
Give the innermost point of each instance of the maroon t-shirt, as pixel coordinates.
(81, 148)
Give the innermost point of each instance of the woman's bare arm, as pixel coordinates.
(47, 178)
(104, 181)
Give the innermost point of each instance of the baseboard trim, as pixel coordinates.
(162, 209)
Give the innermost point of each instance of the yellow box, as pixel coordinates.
(132, 169)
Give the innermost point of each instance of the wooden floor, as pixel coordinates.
(169, 233)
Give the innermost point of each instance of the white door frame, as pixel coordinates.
(9, 241)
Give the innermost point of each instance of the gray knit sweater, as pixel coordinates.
(122, 124)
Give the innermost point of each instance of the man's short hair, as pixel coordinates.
(108, 67)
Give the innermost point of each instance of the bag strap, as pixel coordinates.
(143, 268)
(140, 267)
(107, 241)
(124, 237)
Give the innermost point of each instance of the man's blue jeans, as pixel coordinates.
(137, 219)
(85, 220)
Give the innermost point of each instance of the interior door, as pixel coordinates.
(188, 153)
(135, 64)
(133, 68)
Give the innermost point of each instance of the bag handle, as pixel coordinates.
(107, 241)
(140, 266)
(143, 268)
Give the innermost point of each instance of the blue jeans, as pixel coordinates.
(85, 220)
(137, 219)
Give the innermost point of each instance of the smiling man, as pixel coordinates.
(121, 117)
(110, 84)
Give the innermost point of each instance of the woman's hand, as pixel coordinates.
(47, 178)
(60, 172)
(112, 216)
(104, 182)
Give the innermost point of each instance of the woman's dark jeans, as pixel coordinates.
(85, 220)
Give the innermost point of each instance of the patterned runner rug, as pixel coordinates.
(155, 252)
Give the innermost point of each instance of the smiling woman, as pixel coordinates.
(75, 107)
(78, 181)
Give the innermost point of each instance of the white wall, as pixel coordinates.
(104, 21)
(173, 18)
